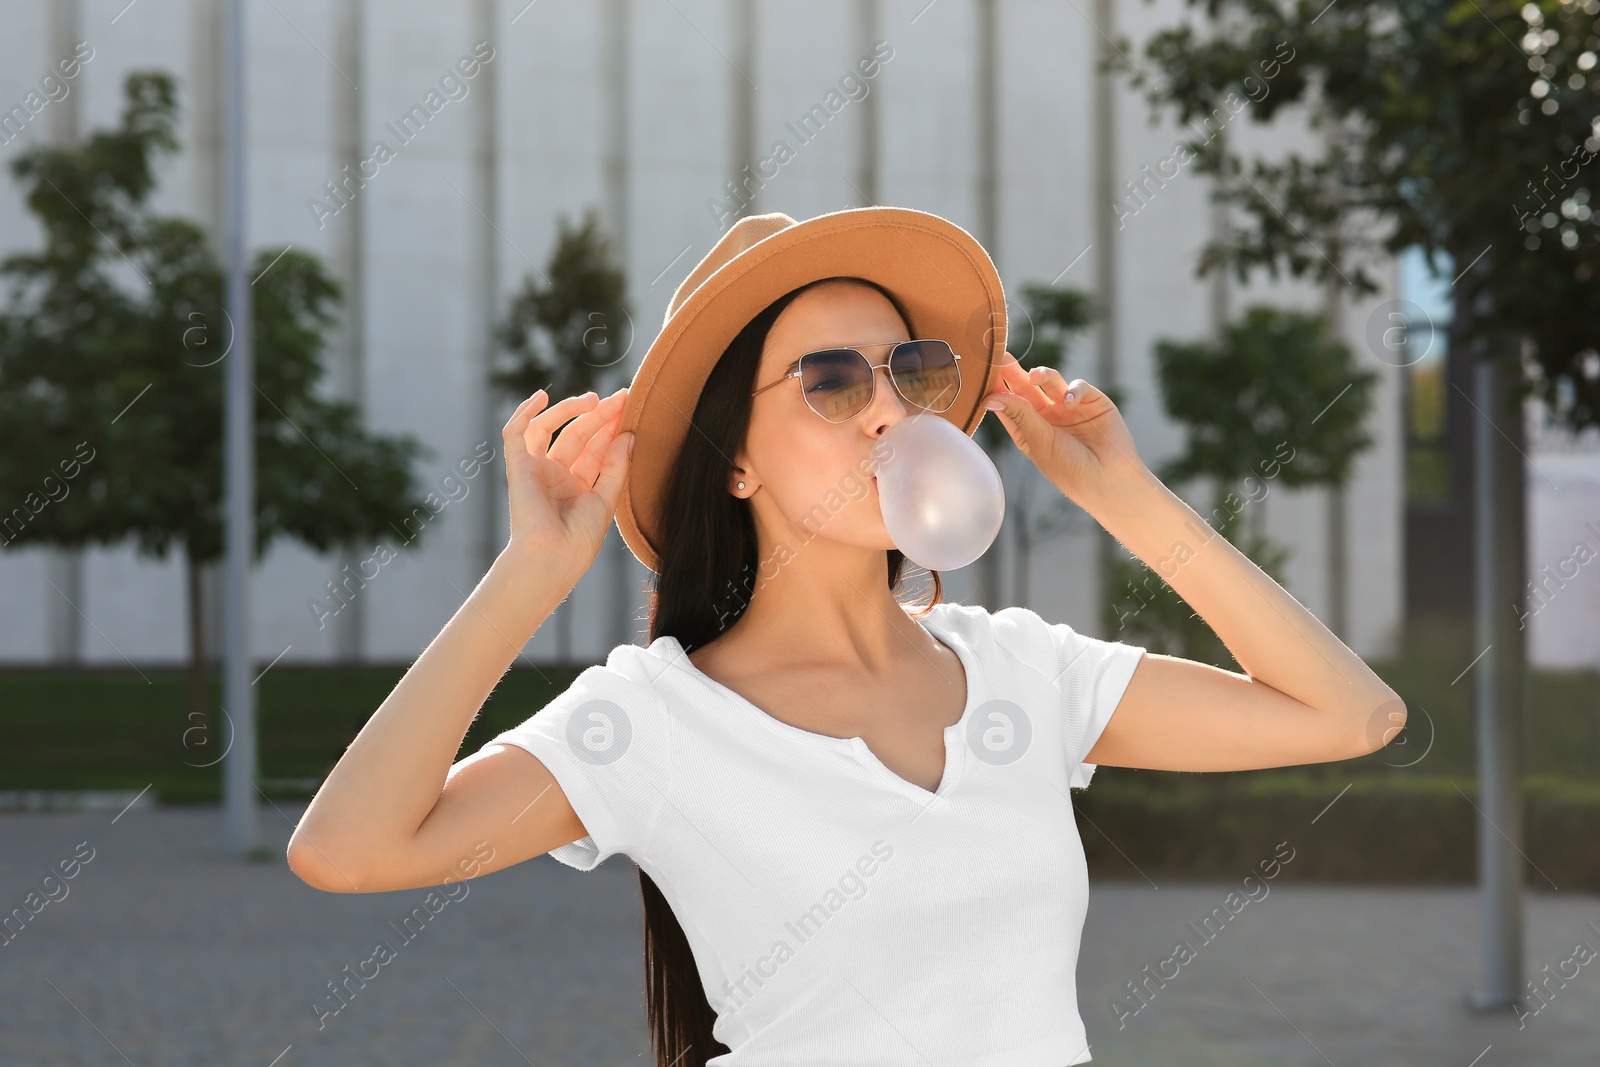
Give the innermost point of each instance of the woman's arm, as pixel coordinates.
(394, 812)
(1306, 698)
(365, 815)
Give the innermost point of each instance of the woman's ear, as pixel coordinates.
(741, 473)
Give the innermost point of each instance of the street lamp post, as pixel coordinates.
(239, 765)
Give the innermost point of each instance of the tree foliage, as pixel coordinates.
(569, 332)
(113, 344)
(1275, 400)
(1275, 376)
(1465, 127)
(114, 339)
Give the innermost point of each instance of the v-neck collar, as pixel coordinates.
(954, 750)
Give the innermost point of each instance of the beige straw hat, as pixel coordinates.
(940, 274)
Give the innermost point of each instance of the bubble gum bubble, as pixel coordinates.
(941, 496)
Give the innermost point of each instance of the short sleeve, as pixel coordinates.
(607, 740)
(1094, 675)
(1090, 674)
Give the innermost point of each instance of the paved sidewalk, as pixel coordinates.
(1312, 975)
(165, 952)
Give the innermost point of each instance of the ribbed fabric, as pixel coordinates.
(838, 913)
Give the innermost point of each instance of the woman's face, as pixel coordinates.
(807, 477)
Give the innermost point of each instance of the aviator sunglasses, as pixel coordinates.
(839, 383)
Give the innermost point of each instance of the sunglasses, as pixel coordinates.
(839, 383)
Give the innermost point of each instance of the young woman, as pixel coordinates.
(852, 823)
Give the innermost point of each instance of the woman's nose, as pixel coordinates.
(895, 407)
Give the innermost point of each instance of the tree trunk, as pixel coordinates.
(564, 630)
(621, 587)
(1022, 541)
(1258, 520)
(1338, 558)
(197, 649)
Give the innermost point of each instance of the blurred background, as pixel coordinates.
(1281, 235)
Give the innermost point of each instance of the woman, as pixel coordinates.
(852, 824)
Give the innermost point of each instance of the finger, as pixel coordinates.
(587, 466)
(614, 471)
(543, 426)
(1014, 376)
(1051, 382)
(1020, 419)
(525, 411)
(1086, 395)
(517, 457)
(575, 436)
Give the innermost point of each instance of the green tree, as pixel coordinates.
(1275, 399)
(112, 348)
(1463, 127)
(1467, 129)
(567, 334)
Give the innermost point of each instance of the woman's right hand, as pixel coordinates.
(563, 495)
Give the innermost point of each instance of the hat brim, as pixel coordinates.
(939, 272)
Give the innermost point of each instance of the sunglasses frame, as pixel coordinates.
(872, 376)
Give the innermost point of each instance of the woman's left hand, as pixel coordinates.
(1072, 431)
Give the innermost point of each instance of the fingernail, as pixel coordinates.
(995, 404)
(631, 441)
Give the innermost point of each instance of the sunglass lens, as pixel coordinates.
(926, 374)
(837, 383)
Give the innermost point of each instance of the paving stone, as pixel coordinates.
(165, 951)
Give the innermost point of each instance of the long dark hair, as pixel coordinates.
(708, 568)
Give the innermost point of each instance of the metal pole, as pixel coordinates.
(989, 575)
(1106, 262)
(626, 576)
(1496, 693)
(239, 766)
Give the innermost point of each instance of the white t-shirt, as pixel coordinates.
(838, 913)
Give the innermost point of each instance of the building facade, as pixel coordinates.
(669, 119)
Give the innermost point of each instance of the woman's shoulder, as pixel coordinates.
(654, 672)
(627, 677)
(974, 621)
(631, 664)
(1019, 631)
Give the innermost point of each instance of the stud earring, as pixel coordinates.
(741, 485)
